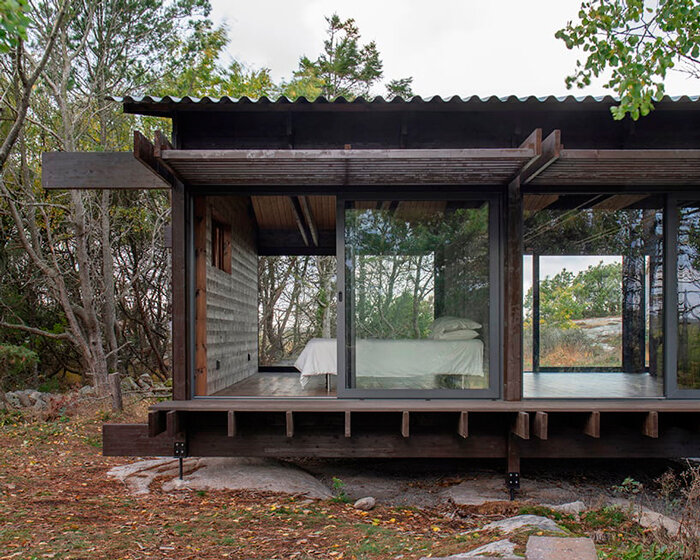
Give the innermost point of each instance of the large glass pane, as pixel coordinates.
(688, 273)
(417, 289)
(593, 295)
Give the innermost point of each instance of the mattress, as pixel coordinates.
(395, 358)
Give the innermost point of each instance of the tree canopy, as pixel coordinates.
(636, 43)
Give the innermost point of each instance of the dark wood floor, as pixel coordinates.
(279, 384)
(584, 385)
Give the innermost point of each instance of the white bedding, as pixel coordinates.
(395, 358)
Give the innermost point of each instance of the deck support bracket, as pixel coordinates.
(592, 426)
(541, 425)
(463, 426)
(651, 425)
(405, 424)
(521, 425)
(348, 424)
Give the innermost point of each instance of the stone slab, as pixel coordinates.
(558, 548)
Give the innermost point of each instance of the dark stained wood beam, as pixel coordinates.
(156, 423)
(348, 423)
(173, 422)
(289, 423)
(296, 210)
(651, 425)
(182, 390)
(144, 151)
(521, 425)
(231, 424)
(513, 274)
(551, 150)
(200, 296)
(97, 170)
(309, 217)
(405, 424)
(463, 425)
(536, 202)
(533, 142)
(592, 425)
(541, 425)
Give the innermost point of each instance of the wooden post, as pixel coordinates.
(348, 423)
(463, 426)
(512, 338)
(115, 390)
(651, 425)
(289, 416)
(231, 428)
(592, 426)
(541, 425)
(173, 423)
(181, 385)
(200, 325)
(405, 424)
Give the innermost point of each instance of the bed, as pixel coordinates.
(428, 362)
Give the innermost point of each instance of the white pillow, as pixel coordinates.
(446, 324)
(461, 334)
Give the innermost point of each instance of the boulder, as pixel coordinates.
(145, 381)
(214, 473)
(24, 399)
(571, 508)
(365, 504)
(503, 549)
(13, 399)
(86, 391)
(512, 524)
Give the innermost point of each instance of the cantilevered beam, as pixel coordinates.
(231, 427)
(97, 170)
(650, 427)
(533, 142)
(309, 217)
(551, 150)
(145, 152)
(541, 425)
(592, 425)
(289, 417)
(463, 425)
(405, 424)
(521, 425)
(296, 210)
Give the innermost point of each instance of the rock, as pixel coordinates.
(521, 521)
(24, 399)
(365, 504)
(647, 518)
(34, 396)
(86, 391)
(571, 508)
(503, 549)
(13, 399)
(128, 384)
(145, 381)
(213, 473)
(557, 548)
(487, 488)
(39, 405)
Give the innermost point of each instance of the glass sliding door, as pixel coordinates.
(686, 319)
(419, 278)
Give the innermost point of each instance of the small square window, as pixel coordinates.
(221, 245)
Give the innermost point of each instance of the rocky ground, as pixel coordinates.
(57, 500)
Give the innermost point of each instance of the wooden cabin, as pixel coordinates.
(548, 258)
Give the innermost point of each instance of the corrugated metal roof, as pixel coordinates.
(378, 100)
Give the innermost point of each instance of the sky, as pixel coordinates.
(450, 47)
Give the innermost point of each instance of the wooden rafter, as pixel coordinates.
(550, 151)
(298, 217)
(309, 217)
(145, 152)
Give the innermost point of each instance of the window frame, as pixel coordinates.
(220, 246)
(496, 292)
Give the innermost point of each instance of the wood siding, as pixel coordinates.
(232, 298)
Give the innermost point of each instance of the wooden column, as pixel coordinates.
(200, 301)
(513, 272)
(535, 313)
(181, 386)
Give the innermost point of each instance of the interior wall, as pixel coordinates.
(232, 298)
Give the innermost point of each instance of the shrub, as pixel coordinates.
(17, 366)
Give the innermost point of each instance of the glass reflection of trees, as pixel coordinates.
(688, 272)
(409, 264)
(607, 225)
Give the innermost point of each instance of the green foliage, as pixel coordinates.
(629, 486)
(17, 365)
(638, 43)
(594, 292)
(345, 68)
(606, 517)
(656, 552)
(339, 494)
(13, 23)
